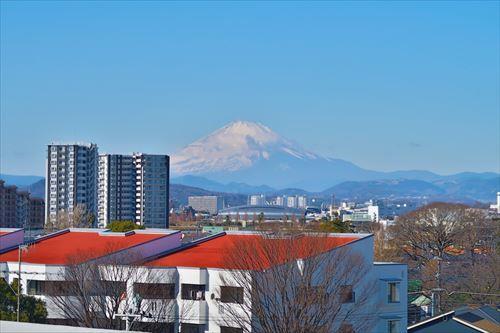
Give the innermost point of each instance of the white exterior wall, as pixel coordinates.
(102, 191)
(210, 312)
(385, 273)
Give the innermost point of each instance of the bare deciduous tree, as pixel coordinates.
(451, 250)
(94, 291)
(295, 282)
(80, 217)
(427, 232)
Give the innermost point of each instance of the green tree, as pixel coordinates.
(123, 226)
(33, 310)
(335, 225)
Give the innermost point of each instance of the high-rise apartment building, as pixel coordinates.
(19, 210)
(71, 179)
(37, 213)
(116, 189)
(152, 189)
(8, 205)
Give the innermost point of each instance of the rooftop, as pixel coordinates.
(5, 231)
(59, 248)
(211, 252)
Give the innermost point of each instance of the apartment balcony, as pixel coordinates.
(194, 312)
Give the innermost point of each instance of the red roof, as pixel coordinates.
(60, 249)
(212, 253)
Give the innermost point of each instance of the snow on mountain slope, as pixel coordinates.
(236, 146)
(251, 153)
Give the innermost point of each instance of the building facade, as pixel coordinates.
(116, 189)
(71, 179)
(206, 203)
(152, 176)
(257, 200)
(37, 213)
(196, 284)
(19, 210)
(8, 205)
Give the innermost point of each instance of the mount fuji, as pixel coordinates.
(251, 153)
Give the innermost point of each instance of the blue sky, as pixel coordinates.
(386, 85)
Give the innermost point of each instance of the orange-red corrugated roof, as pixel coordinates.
(59, 249)
(211, 252)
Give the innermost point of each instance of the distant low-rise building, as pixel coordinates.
(496, 207)
(257, 200)
(206, 203)
(269, 213)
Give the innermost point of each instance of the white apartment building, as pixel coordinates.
(257, 200)
(291, 201)
(152, 178)
(116, 189)
(71, 178)
(192, 275)
(301, 201)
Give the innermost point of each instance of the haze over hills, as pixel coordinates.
(247, 158)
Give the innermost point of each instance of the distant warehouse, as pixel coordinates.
(206, 203)
(270, 213)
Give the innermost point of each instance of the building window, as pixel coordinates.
(35, 287)
(194, 292)
(231, 294)
(227, 329)
(347, 294)
(393, 326)
(155, 290)
(393, 292)
(192, 328)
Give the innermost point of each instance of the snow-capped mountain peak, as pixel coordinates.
(238, 145)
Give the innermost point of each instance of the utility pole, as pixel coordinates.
(21, 249)
(436, 292)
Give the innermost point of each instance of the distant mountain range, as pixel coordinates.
(462, 189)
(247, 153)
(244, 158)
(465, 188)
(20, 181)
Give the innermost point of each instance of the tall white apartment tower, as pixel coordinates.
(152, 190)
(498, 202)
(71, 179)
(116, 189)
